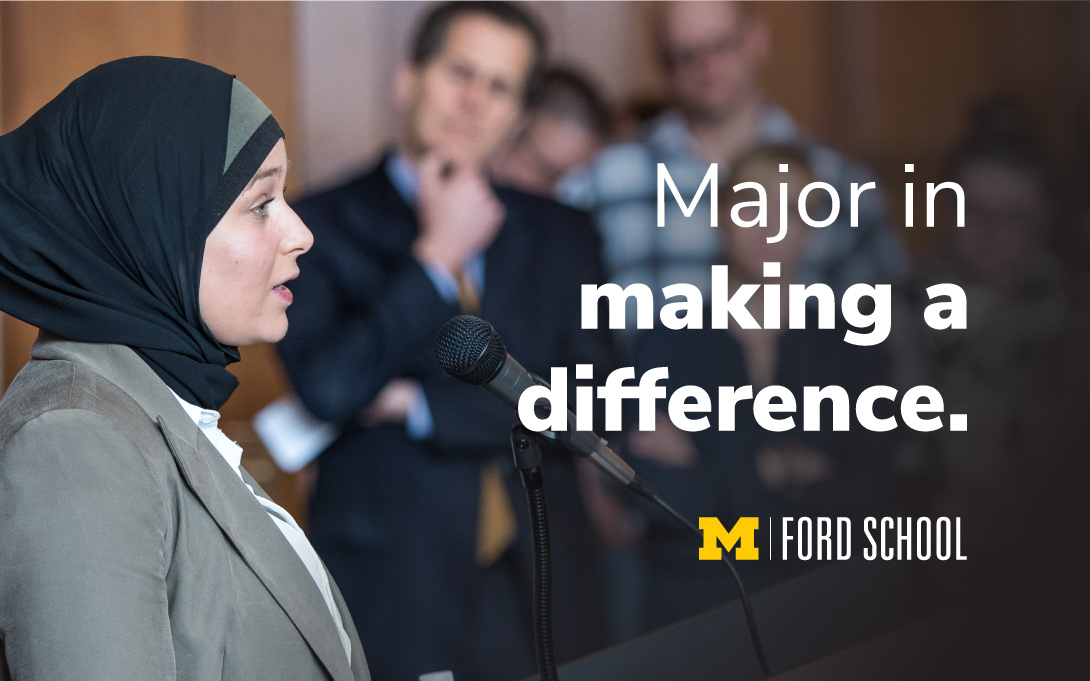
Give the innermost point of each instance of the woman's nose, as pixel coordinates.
(298, 238)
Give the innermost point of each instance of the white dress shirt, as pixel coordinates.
(207, 421)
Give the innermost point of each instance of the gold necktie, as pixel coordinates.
(496, 525)
(469, 298)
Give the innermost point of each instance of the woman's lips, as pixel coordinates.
(283, 293)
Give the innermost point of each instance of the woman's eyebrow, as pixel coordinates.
(269, 172)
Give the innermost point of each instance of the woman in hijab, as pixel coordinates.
(143, 229)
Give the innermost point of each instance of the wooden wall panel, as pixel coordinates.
(796, 74)
(934, 63)
(46, 45)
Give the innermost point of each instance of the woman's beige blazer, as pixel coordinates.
(130, 550)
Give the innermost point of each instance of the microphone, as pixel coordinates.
(470, 350)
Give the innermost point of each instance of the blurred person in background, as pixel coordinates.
(1006, 367)
(414, 503)
(563, 131)
(711, 53)
(1019, 371)
(750, 471)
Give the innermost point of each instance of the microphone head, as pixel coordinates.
(469, 349)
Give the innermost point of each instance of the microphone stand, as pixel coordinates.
(527, 453)
(469, 349)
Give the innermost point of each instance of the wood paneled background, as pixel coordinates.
(888, 82)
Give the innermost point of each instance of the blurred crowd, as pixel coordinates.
(515, 182)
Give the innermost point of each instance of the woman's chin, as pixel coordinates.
(272, 335)
(267, 332)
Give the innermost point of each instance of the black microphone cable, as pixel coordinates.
(469, 349)
(647, 493)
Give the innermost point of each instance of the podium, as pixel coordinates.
(810, 618)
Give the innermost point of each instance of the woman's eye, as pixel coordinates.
(262, 208)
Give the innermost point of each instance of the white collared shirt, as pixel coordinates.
(207, 421)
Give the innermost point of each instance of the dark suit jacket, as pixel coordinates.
(395, 518)
(129, 549)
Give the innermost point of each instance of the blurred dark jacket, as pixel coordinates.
(395, 518)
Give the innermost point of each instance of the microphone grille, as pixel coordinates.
(469, 349)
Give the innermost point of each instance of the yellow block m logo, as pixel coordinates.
(741, 534)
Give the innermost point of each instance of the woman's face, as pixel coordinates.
(747, 247)
(250, 256)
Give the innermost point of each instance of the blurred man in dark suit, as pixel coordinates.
(412, 509)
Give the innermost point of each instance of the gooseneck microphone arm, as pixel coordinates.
(528, 460)
(470, 350)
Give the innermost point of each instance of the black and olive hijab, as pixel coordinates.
(107, 195)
